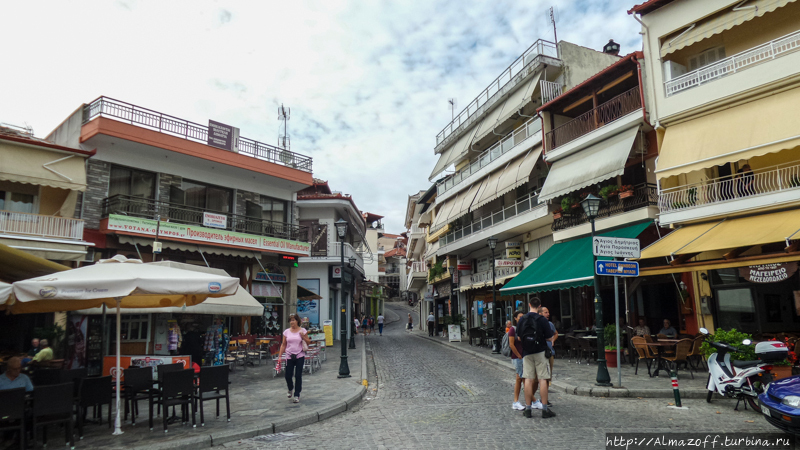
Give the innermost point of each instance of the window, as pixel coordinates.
(131, 182)
(735, 309)
(134, 327)
(706, 58)
(207, 197)
(18, 197)
(273, 209)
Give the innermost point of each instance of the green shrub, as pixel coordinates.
(734, 338)
(606, 190)
(435, 271)
(610, 336)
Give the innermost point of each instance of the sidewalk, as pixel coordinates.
(258, 406)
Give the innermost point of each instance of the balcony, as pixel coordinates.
(617, 107)
(768, 186)
(482, 278)
(526, 204)
(40, 226)
(541, 51)
(149, 209)
(644, 195)
(335, 255)
(417, 275)
(173, 126)
(417, 232)
(736, 63)
(503, 146)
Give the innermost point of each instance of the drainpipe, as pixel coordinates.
(652, 57)
(641, 89)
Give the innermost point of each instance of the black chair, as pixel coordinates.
(74, 376)
(45, 377)
(175, 388)
(160, 371)
(12, 412)
(95, 392)
(53, 405)
(213, 380)
(138, 385)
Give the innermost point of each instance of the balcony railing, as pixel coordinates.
(149, 209)
(349, 252)
(735, 63)
(619, 106)
(163, 123)
(500, 148)
(37, 225)
(763, 181)
(523, 205)
(417, 230)
(486, 275)
(418, 266)
(643, 195)
(532, 56)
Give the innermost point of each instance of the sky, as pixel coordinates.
(367, 81)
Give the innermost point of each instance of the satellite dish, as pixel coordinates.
(286, 157)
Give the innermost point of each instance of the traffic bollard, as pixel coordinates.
(674, 375)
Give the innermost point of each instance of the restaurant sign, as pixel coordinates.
(195, 233)
(768, 273)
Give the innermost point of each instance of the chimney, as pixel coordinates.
(612, 48)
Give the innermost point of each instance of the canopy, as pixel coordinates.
(510, 106)
(763, 126)
(455, 152)
(305, 294)
(5, 293)
(18, 265)
(40, 166)
(519, 171)
(468, 197)
(599, 162)
(565, 265)
(56, 251)
(185, 246)
(724, 20)
(488, 190)
(443, 214)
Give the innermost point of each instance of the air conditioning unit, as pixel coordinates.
(673, 70)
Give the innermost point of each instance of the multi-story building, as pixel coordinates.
(495, 148)
(205, 194)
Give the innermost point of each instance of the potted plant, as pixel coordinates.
(626, 191)
(558, 213)
(568, 202)
(608, 191)
(734, 338)
(610, 337)
(782, 369)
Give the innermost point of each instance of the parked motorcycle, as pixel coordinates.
(742, 380)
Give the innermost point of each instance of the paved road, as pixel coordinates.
(431, 397)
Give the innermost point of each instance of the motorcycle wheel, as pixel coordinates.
(710, 393)
(753, 404)
(758, 386)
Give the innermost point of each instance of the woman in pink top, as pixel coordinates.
(292, 350)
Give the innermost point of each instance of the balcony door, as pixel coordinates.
(207, 197)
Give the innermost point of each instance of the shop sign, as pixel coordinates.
(463, 266)
(273, 277)
(507, 263)
(268, 290)
(215, 220)
(768, 273)
(455, 277)
(512, 244)
(222, 136)
(194, 233)
(513, 253)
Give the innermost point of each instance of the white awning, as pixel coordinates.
(519, 98)
(488, 191)
(464, 201)
(42, 167)
(511, 179)
(441, 164)
(185, 247)
(443, 214)
(602, 161)
(53, 251)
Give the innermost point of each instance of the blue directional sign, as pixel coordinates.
(617, 268)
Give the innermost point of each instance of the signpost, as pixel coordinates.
(617, 268)
(616, 247)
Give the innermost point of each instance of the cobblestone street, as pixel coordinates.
(429, 396)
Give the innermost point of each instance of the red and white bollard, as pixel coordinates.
(675, 390)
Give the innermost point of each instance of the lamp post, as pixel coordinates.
(591, 205)
(452, 269)
(344, 368)
(351, 265)
(492, 242)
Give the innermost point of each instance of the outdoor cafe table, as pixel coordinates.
(663, 343)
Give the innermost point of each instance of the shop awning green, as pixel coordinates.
(565, 265)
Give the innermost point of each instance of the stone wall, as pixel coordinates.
(98, 174)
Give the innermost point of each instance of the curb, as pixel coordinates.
(223, 436)
(364, 381)
(593, 391)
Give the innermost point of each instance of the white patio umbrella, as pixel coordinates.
(118, 283)
(5, 294)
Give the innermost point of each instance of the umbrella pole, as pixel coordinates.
(118, 421)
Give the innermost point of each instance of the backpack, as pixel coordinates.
(506, 347)
(529, 335)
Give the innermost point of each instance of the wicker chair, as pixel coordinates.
(682, 350)
(696, 355)
(643, 353)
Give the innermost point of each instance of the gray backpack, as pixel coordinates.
(506, 346)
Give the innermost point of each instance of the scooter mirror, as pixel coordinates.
(747, 342)
(703, 330)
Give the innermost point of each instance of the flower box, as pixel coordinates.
(626, 194)
(557, 215)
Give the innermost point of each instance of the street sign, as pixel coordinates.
(616, 247)
(617, 268)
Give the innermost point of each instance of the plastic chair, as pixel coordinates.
(212, 381)
(138, 385)
(12, 412)
(643, 353)
(94, 392)
(53, 405)
(175, 388)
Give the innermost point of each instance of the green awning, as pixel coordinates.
(565, 265)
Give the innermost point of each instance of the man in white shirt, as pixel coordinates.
(380, 324)
(431, 324)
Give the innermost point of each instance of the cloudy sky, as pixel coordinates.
(367, 81)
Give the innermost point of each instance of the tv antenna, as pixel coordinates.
(552, 18)
(284, 114)
(452, 102)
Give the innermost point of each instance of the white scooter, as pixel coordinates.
(742, 380)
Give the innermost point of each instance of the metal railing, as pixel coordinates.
(550, 90)
(163, 123)
(735, 63)
(525, 204)
(417, 230)
(643, 195)
(40, 225)
(595, 118)
(500, 148)
(418, 266)
(334, 251)
(531, 57)
(768, 180)
(486, 275)
(149, 209)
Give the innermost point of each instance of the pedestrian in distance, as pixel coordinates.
(365, 325)
(546, 313)
(410, 322)
(357, 324)
(533, 331)
(516, 360)
(380, 324)
(371, 324)
(292, 350)
(508, 325)
(431, 326)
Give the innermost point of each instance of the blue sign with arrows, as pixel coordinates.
(617, 268)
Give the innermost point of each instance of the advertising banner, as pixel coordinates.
(196, 233)
(327, 327)
(309, 308)
(215, 220)
(110, 363)
(222, 136)
(76, 342)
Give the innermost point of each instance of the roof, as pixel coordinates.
(319, 196)
(648, 6)
(625, 59)
(397, 252)
(370, 217)
(10, 134)
(317, 187)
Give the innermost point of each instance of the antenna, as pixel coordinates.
(552, 18)
(452, 102)
(284, 114)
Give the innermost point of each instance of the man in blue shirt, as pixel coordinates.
(534, 364)
(668, 330)
(13, 379)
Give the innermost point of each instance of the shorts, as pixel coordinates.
(517, 366)
(535, 366)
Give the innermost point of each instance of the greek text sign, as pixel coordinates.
(221, 135)
(507, 263)
(214, 220)
(617, 268)
(768, 273)
(616, 247)
(147, 227)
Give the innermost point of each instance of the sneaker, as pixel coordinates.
(527, 413)
(518, 406)
(537, 405)
(297, 400)
(547, 413)
(290, 394)
(549, 405)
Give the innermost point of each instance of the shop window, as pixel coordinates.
(207, 197)
(134, 327)
(131, 182)
(772, 305)
(735, 308)
(273, 209)
(725, 276)
(18, 197)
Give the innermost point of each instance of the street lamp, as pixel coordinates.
(492, 243)
(352, 263)
(591, 205)
(344, 368)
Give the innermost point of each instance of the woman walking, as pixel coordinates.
(365, 325)
(292, 350)
(410, 322)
